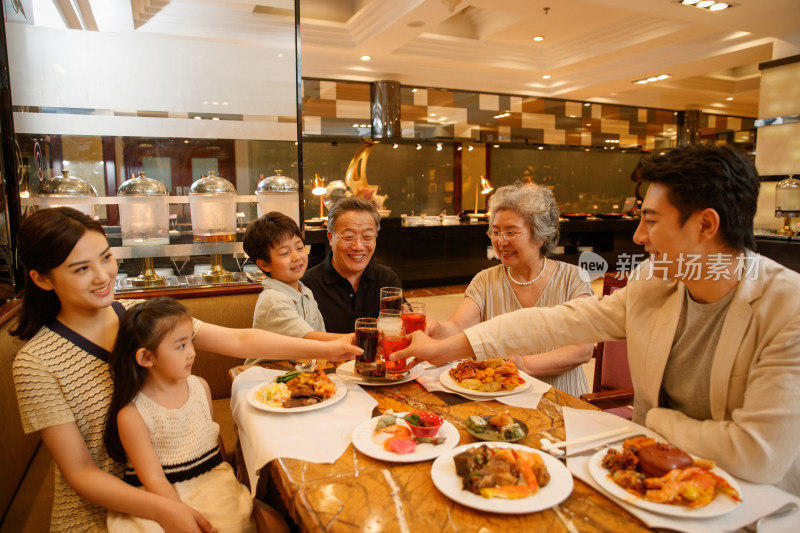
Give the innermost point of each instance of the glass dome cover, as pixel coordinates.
(66, 185)
(142, 186)
(212, 184)
(277, 183)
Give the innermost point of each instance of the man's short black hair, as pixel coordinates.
(702, 176)
(266, 232)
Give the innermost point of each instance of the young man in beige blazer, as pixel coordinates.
(713, 330)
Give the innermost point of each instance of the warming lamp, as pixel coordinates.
(484, 186)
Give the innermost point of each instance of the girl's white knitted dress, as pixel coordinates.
(186, 442)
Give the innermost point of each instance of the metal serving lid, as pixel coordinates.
(142, 186)
(212, 185)
(277, 183)
(66, 185)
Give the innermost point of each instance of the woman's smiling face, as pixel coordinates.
(519, 250)
(86, 278)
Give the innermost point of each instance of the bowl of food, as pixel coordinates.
(424, 424)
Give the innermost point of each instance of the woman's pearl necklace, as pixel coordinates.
(531, 282)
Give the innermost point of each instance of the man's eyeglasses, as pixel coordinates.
(350, 238)
(507, 235)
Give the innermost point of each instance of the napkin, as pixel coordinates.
(319, 436)
(756, 499)
(529, 398)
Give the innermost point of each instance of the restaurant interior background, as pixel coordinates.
(181, 88)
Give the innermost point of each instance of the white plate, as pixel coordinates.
(722, 503)
(362, 440)
(443, 474)
(451, 384)
(341, 391)
(346, 371)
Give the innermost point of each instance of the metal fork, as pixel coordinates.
(753, 527)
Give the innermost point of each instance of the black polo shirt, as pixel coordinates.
(339, 304)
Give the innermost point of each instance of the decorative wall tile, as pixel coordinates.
(343, 107)
(489, 101)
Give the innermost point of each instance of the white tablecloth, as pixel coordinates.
(756, 499)
(320, 436)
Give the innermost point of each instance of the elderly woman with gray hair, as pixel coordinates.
(524, 230)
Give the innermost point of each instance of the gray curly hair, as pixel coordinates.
(535, 204)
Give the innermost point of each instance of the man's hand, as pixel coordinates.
(436, 352)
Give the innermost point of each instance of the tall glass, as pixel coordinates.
(368, 364)
(391, 299)
(414, 316)
(393, 338)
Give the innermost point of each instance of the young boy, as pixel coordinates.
(285, 306)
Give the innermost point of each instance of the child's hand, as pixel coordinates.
(343, 348)
(182, 518)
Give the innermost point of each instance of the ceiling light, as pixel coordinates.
(197, 118)
(538, 38)
(710, 5)
(641, 82)
(438, 147)
(729, 98)
(587, 104)
(395, 145)
(541, 148)
(469, 149)
(413, 90)
(214, 118)
(652, 78)
(432, 115)
(355, 125)
(663, 76)
(366, 58)
(419, 147)
(460, 148)
(546, 77)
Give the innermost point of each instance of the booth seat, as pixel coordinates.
(26, 486)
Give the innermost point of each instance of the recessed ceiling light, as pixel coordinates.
(366, 58)
(395, 145)
(689, 2)
(652, 78)
(214, 118)
(419, 147)
(432, 114)
(197, 118)
(587, 104)
(706, 3)
(413, 90)
(719, 6)
(729, 98)
(546, 77)
(470, 149)
(538, 38)
(663, 76)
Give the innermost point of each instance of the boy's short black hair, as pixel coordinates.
(702, 176)
(268, 232)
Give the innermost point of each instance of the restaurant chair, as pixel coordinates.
(612, 389)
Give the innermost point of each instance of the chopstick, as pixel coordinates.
(589, 438)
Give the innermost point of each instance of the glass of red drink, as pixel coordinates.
(391, 299)
(393, 338)
(413, 316)
(368, 364)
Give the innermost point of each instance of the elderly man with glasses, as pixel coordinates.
(347, 284)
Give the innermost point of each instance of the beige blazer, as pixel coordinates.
(754, 387)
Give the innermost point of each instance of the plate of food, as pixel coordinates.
(491, 378)
(297, 392)
(478, 476)
(664, 479)
(403, 438)
(500, 428)
(346, 371)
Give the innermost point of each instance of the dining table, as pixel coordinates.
(360, 493)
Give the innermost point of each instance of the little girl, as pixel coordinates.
(161, 422)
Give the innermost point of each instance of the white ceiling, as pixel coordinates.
(593, 49)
